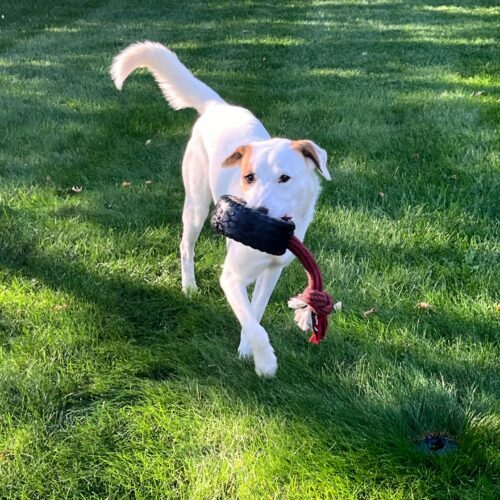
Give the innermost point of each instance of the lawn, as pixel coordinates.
(114, 384)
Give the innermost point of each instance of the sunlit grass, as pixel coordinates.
(113, 384)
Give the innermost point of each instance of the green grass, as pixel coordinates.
(113, 384)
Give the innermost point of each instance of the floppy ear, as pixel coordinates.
(313, 153)
(235, 158)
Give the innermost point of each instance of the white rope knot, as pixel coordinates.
(302, 314)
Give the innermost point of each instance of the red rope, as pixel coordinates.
(318, 300)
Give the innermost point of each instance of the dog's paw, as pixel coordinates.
(244, 350)
(190, 289)
(266, 363)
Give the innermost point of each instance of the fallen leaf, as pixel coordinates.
(423, 305)
(369, 312)
(148, 142)
(125, 184)
(381, 194)
(148, 183)
(61, 307)
(337, 306)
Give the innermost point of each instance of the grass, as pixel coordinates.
(113, 384)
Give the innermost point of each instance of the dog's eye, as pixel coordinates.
(283, 179)
(249, 178)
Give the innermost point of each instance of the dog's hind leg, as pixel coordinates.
(196, 205)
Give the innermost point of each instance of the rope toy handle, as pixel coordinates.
(313, 305)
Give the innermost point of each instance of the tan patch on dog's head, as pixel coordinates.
(235, 158)
(242, 156)
(306, 148)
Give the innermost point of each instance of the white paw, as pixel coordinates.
(266, 363)
(244, 350)
(189, 288)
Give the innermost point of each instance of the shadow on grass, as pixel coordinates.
(98, 139)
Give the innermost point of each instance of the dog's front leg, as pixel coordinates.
(263, 290)
(257, 338)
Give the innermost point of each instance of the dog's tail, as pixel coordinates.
(179, 86)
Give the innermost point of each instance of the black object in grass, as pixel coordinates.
(235, 220)
(436, 444)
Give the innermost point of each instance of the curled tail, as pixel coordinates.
(179, 86)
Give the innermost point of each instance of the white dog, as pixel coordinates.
(230, 152)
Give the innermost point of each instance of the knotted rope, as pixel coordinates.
(313, 305)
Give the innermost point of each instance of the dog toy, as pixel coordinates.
(249, 226)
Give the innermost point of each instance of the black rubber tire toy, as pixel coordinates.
(235, 220)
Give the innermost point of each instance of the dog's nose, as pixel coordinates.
(262, 210)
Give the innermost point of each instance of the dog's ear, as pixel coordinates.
(234, 159)
(314, 154)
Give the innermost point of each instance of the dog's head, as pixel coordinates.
(279, 176)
